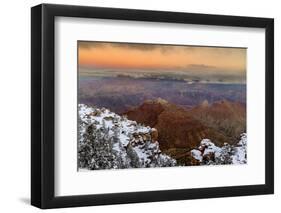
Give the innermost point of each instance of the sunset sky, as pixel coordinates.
(133, 56)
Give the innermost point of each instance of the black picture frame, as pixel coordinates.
(43, 110)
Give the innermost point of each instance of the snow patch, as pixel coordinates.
(208, 153)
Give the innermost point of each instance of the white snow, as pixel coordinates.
(241, 151)
(126, 126)
(123, 129)
(210, 147)
(196, 154)
(235, 154)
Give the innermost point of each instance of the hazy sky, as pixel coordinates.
(128, 56)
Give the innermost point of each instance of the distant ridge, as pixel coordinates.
(157, 100)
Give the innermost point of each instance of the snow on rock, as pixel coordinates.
(208, 148)
(110, 141)
(210, 154)
(196, 154)
(240, 156)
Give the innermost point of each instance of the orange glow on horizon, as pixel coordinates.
(109, 55)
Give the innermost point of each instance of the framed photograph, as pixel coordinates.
(139, 106)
